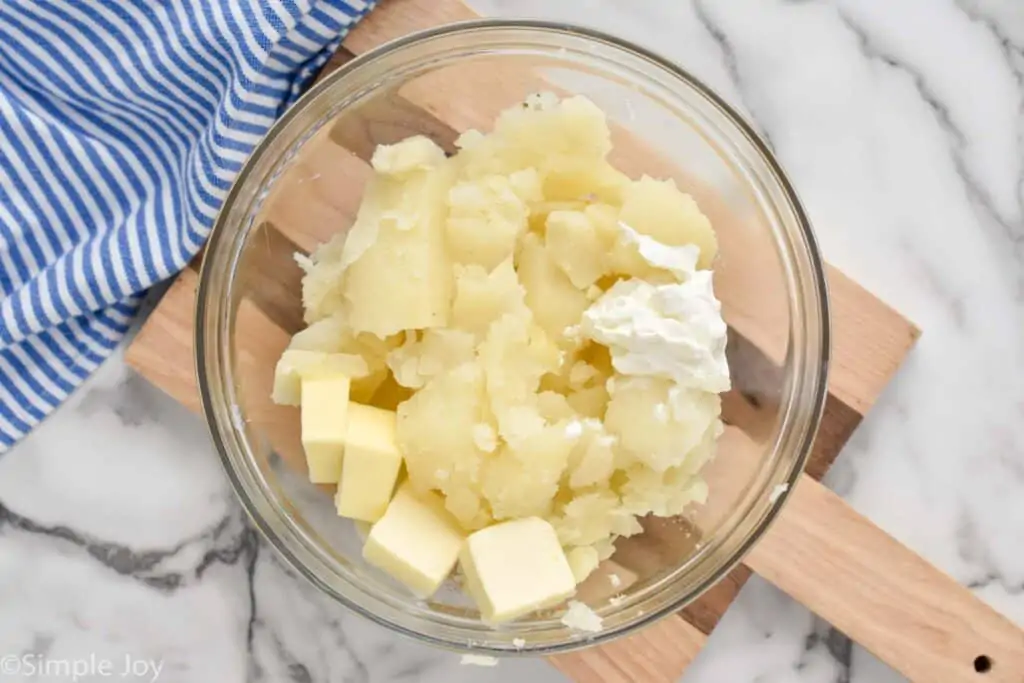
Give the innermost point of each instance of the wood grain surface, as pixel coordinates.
(882, 595)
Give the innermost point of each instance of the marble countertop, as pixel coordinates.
(901, 124)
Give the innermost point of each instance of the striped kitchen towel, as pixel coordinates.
(122, 125)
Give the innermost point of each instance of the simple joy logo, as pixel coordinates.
(33, 665)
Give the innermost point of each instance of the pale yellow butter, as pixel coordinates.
(371, 463)
(515, 568)
(416, 541)
(324, 424)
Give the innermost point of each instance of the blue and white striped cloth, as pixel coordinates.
(122, 125)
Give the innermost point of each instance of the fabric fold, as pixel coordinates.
(122, 126)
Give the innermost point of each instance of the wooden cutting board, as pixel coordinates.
(819, 550)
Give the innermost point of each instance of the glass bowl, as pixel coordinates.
(302, 184)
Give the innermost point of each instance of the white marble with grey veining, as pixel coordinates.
(902, 125)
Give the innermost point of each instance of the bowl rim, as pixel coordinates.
(818, 282)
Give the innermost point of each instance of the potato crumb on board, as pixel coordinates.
(579, 617)
(478, 660)
(777, 493)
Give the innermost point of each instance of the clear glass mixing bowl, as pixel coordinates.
(302, 185)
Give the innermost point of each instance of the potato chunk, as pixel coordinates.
(435, 427)
(554, 407)
(322, 294)
(590, 401)
(416, 153)
(334, 335)
(665, 494)
(658, 423)
(417, 360)
(659, 209)
(482, 297)
(522, 479)
(403, 279)
(544, 134)
(593, 517)
(586, 180)
(296, 364)
(514, 356)
(485, 218)
(592, 460)
(555, 302)
(576, 247)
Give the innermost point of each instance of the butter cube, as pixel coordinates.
(324, 423)
(416, 541)
(515, 568)
(370, 467)
(298, 363)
